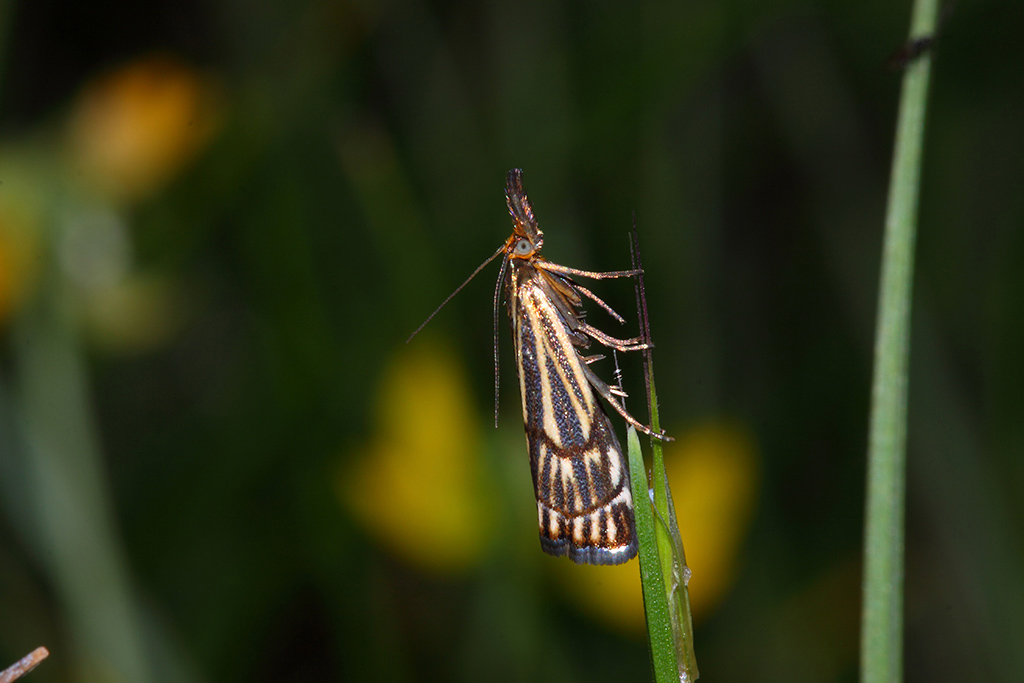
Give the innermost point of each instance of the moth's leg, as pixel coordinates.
(596, 299)
(613, 389)
(609, 395)
(593, 275)
(634, 344)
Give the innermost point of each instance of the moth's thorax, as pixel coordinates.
(521, 272)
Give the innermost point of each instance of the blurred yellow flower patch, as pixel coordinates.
(420, 486)
(609, 594)
(713, 473)
(133, 129)
(19, 254)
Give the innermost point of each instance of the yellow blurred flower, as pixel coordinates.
(19, 251)
(713, 474)
(609, 594)
(419, 487)
(134, 128)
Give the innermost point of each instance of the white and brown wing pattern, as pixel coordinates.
(580, 475)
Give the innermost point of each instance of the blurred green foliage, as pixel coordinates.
(220, 220)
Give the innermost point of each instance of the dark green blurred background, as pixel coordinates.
(220, 220)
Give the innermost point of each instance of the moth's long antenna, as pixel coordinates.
(497, 303)
(457, 290)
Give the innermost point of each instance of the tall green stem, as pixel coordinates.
(74, 520)
(663, 570)
(882, 623)
(656, 605)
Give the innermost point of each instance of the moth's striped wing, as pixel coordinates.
(580, 477)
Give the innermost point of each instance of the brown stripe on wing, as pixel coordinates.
(584, 502)
(557, 395)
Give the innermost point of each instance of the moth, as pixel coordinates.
(580, 474)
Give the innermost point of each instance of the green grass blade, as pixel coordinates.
(882, 622)
(75, 526)
(659, 623)
(674, 572)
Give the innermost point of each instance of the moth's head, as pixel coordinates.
(520, 247)
(527, 237)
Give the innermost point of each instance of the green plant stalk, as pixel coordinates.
(664, 545)
(882, 619)
(659, 478)
(670, 548)
(74, 524)
(656, 608)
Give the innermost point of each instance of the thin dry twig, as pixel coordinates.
(24, 665)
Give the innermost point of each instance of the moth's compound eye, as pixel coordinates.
(524, 247)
